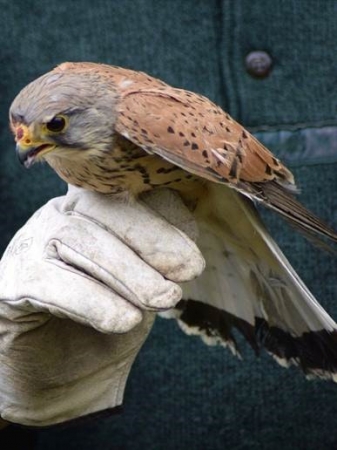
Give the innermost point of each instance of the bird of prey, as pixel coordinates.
(114, 130)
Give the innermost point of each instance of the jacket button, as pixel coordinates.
(258, 64)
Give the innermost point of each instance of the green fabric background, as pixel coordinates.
(182, 394)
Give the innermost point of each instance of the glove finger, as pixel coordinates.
(103, 257)
(161, 245)
(66, 292)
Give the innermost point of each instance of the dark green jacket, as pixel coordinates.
(182, 394)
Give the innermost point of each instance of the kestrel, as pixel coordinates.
(115, 130)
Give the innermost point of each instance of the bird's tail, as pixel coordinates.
(281, 198)
(249, 285)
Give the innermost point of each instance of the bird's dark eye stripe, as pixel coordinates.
(56, 124)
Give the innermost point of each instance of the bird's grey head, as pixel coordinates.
(63, 111)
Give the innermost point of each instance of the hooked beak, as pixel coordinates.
(27, 155)
(27, 149)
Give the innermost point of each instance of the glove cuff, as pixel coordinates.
(101, 391)
(81, 389)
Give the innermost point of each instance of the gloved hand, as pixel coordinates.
(79, 287)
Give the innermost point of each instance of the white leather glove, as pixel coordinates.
(79, 286)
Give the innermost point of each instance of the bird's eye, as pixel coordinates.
(56, 124)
